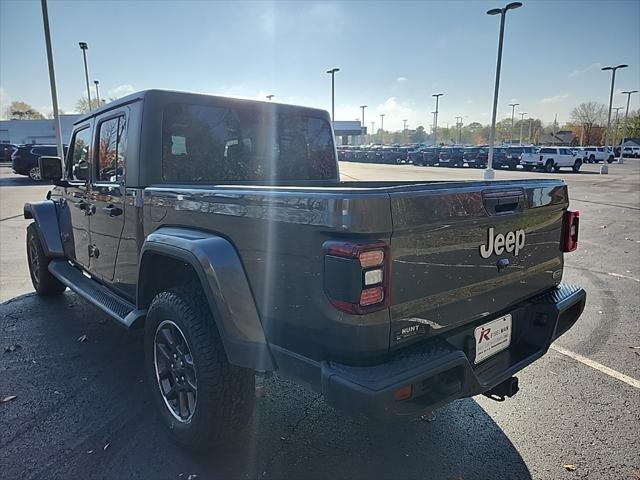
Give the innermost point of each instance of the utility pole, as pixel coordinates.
(624, 131)
(513, 111)
(555, 123)
(615, 128)
(52, 79)
(373, 129)
(404, 129)
(382, 128)
(459, 125)
(530, 131)
(84, 47)
(362, 107)
(435, 121)
(522, 114)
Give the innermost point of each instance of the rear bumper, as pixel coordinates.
(441, 370)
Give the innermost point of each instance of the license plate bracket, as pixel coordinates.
(492, 337)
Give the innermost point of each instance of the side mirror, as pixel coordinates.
(50, 168)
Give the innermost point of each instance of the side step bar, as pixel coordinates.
(119, 309)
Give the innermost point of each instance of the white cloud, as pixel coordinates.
(401, 79)
(577, 73)
(120, 91)
(555, 98)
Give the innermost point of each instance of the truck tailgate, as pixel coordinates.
(463, 252)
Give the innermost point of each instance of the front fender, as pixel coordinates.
(223, 279)
(45, 216)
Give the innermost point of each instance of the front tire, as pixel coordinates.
(43, 282)
(202, 398)
(549, 167)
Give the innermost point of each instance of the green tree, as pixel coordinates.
(22, 111)
(418, 135)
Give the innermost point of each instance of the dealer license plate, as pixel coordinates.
(492, 337)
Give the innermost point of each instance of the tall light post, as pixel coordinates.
(615, 127)
(382, 128)
(52, 78)
(530, 131)
(362, 127)
(270, 96)
(404, 125)
(604, 169)
(489, 173)
(459, 125)
(373, 130)
(96, 83)
(624, 130)
(435, 120)
(84, 47)
(522, 114)
(513, 112)
(332, 72)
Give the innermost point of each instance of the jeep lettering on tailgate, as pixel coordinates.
(512, 242)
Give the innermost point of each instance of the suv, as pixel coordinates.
(597, 154)
(451, 157)
(24, 159)
(631, 152)
(475, 157)
(552, 159)
(239, 252)
(514, 154)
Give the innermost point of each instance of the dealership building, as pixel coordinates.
(348, 132)
(32, 132)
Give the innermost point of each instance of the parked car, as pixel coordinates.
(514, 154)
(552, 159)
(415, 155)
(475, 157)
(631, 152)
(180, 237)
(430, 156)
(6, 150)
(24, 159)
(500, 159)
(451, 157)
(597, 154)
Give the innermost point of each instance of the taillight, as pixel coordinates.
(570, 227)
(356, 276)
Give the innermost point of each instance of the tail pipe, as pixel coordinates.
(508, 388)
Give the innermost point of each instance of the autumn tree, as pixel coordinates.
(419, 135)
(590, 116)
(22, 111)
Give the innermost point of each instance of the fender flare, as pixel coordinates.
(45, 215)
(223, 279)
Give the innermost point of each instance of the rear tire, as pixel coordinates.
(43, 282)
(576, 165)
(214, 399)
(548, 167)
(34, 174)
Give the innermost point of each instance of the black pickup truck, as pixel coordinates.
(221, 227)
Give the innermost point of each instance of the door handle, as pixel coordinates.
(112, 210)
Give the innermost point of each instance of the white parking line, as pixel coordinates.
(598, 366)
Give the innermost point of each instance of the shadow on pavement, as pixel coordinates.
(83, 407)
(19, 181)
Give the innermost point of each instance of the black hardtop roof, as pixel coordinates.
(170, 96)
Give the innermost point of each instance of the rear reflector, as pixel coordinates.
(570, 228)
(371, 296)
(403, 393)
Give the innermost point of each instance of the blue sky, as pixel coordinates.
(392, 55)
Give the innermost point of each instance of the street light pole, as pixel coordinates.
(604, 169)
(332, 72)
(435, 121)
(382, 128)
(624, 130)
(615, 127)
(373, 130)
(489, 173)
(84, 47)
(404, 128)
(52, 79)
(513, 112)
(522, 114)
(96, 82)
(530, 131)
(362, 107)
(459, 125)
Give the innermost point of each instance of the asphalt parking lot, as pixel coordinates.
(81, 408)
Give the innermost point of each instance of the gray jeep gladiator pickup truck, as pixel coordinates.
(221, 227)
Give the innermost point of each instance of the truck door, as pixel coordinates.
(78, 165)
(107, 193)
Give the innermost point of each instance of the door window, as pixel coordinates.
(79, 155)
(111, 150)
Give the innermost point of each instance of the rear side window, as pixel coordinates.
(112, 148)
(78, 156)
(205, 144)
(548, 150)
